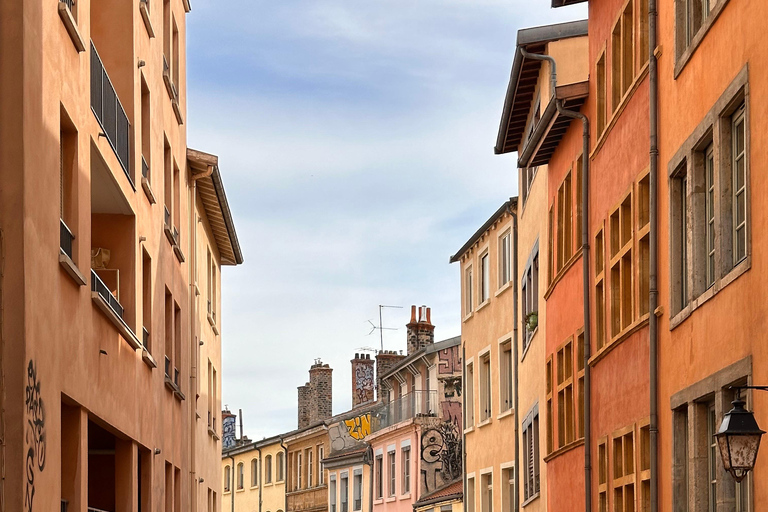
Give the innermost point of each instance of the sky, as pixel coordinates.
(355, 140)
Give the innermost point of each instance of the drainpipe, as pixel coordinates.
(261, 476)
(585, 270)
(368, 460)
(653, 299)
(516, 496)
(285, 475)
(464, 414)
(232, 484)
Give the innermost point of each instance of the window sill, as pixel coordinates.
(405, 496)
(268, 484)
(468, 430)
(530, 342)
(713, 290)
(531, 499)
(196, 289)
(482, 305)
(145, 16)
(240, 490)
(122, 327)
(147, 358)
(168, 230)
(213, 433)
(619, 339)
(505, 414)
(226, 492)
(469, 315)
(71, 26)
(687, 54)
(564, 449)
(213, 324)
(148, 190)
(503, 288)
(178, 253)
(71, 269)
(484, 423)
(177, 110)
(601, 137)
(391, 499)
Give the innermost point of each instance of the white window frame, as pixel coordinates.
(505, 258)
(485, 277)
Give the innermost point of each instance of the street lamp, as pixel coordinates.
(739, 438)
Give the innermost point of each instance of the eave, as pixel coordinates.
(563, 3)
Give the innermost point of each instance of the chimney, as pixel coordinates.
(304, 400)
(421, 332)
(362, 379)
(321, 392)
(228, 429)
(385, 361)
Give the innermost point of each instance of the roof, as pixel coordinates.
(429, 349)
(525, 76)
(247, 447)
(211, 189)
(451, 491)
(563, 3)
(512, 203)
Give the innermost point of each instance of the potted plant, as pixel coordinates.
(532, 321)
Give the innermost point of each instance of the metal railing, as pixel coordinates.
(64, 505)
(110, 113)
(175, 233)
(144, 168)
(66, 237)
(176, 376)
(91, 509)
(98, 286)
(145, 338)
(69, 3)
(167, 367)
(166, 67)
(416, 403)
(167, 218)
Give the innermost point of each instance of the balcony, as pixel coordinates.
(412, 405)
(66, 238)
(168, 228)
(107, 302)
(66, 254)
(145, 184)
(110, 113)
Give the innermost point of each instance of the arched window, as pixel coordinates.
(254, 472)
(227, 479)
(280, 467)
(240, 476)
(268, 469)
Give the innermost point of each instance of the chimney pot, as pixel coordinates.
(413, 314)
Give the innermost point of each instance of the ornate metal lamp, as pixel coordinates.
(738, 440)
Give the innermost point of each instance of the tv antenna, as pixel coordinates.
(381, 327)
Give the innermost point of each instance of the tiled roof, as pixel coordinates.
(454, 489)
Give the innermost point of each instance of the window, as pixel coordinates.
(391, 459)
(709, 208)
(622, 52)
(579, 194)
(379, 477)
(68, 186)
(739, 184)
(530, 296)
(528, 174)
(505, 258)
(580, 385)
(531, 454)
(300, 479)
(168, 334)
(321, 466)
(691, 15)
(679, 191)
(268, 469)
(254, 472)
(506, 378)
(602, 475)
(240, 476)
(310, 469)
(485, 387)
(485, 270)
(469, 398)
(507, 489)
(405, 461)
(564, 223)
(470, 494)
(146, 298)
(621, 236)
(565, 424)
(146, 131)
(344, 492)
(643, 236)
(169, 485)
(357, 490)
(599, 289)
(167, 182)
(645, 467)
(623, 482)
(332, 493)
(486, 486)
(550, 407)
(227, 478)
(601, 94)
(177, 367)
(551, 245)
(468, 284)
(280, 466)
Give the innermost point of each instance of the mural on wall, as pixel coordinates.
(228, 431)
(449, 361)
(35, 435)
(451, 412)
(346, 434)
(451, 387)
(440, 455)
(364, 383)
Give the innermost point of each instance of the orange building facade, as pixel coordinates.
(111, 347)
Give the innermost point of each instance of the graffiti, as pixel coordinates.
(451, 386)
(451, 412)
(440, 455)
(359, 427)
(35, 436)
(228, 433)
(346, 434)
(450, 361)
(364, 383)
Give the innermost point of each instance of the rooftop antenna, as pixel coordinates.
(381, 327)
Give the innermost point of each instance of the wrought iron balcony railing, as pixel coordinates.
(167, 367)
(66, 239)
(416, 403)
(98, 286)
(70, 5)
(110, 113)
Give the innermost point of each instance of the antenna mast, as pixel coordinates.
(381, 327)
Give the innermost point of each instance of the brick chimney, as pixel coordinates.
(304, 400)
(321, 392)
(362, 379)
(385, 361)
(228, 429)
(421, 332)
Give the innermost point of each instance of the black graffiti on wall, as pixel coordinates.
(440, 455)
(35, 435)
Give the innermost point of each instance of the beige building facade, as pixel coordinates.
(111, 347)
(256, 473)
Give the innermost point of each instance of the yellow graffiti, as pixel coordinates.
(359, 427)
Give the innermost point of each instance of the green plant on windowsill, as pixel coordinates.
(532, 321)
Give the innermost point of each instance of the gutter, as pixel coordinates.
(585, 272)
(285, 474)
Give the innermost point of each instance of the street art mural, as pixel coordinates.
(449, 361)
(364, 383)
(35, 435)
(228, 431)
(451, 412)
(440, 455)
(347, 433)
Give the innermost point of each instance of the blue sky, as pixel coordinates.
(355, 139)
